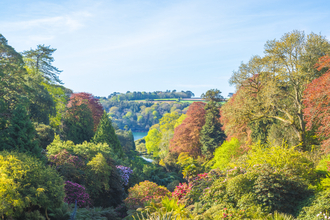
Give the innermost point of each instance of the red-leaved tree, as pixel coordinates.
(317, 102)
(92, 103)
(186, 136)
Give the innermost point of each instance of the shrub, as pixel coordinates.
(125, 173)
(25, 183)
(181, 190)
(319, 203)
(143, 192)
(74, 192)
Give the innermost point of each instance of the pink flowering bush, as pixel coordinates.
(181, 190)
(125, 173)
(73, 192)
(144, 192)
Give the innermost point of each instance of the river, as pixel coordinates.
(139, 135)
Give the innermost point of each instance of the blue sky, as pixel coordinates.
(117, 46)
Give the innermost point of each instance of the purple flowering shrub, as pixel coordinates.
(74, 191)
(125, 173)
(65, 158)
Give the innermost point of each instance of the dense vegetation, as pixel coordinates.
(140, 116)
(264, 154)
(149, 95)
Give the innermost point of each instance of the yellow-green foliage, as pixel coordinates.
(180, 120)
(101, 171)
(225, 153)
(86, 150)
(278, 157)
(26, 182)
(152, 140)
(323, 167)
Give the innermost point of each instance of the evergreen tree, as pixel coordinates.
(211, 134)
(105, 133)
(21, 133)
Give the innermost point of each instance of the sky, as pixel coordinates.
(154, 45)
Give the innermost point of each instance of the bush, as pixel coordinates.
(319, 203)
(74, 192)
(25, 182)
(143, 192)
(280, 157)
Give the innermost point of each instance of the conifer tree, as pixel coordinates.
(105, 133)
(211, 134)
(21, 133)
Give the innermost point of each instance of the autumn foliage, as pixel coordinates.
(234, 125)
(316, 100)
(92, 103)
(187, 135)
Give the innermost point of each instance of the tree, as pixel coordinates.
(21, 133)
(40, 62)
(92, 103)
(105, 133)
(13, 83)
(316, 100)
(212, 95)
(272, 86)
(211, 134)
(78, 122)
(187, 135)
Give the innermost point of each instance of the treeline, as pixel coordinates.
(149, 95)
(140, 116)
(263, 155)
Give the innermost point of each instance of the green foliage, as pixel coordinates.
(35, 215)
(45, 134)
(96, 213)
(225, 153)
(279, 157)
(140, 145)
(140, 116)
(126, 140)
(105, 133)
(34, 184)
(211, 134)
(21, 133)
(60, 213)
(318, 203)
(85, 150)
(152, 141)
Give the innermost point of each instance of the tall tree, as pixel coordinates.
(187, 135)
(78, 122)
(211, 134)
(105, 133)
(92, 103)
(273, 85)
(21, 133)
(40, 61)
(13, 82)
(316, 100)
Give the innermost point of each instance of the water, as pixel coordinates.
(139, 135)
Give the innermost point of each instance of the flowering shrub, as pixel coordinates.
(181, 190)
(73, 192)
(143, 192)
(125, 173)
(65, 158)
